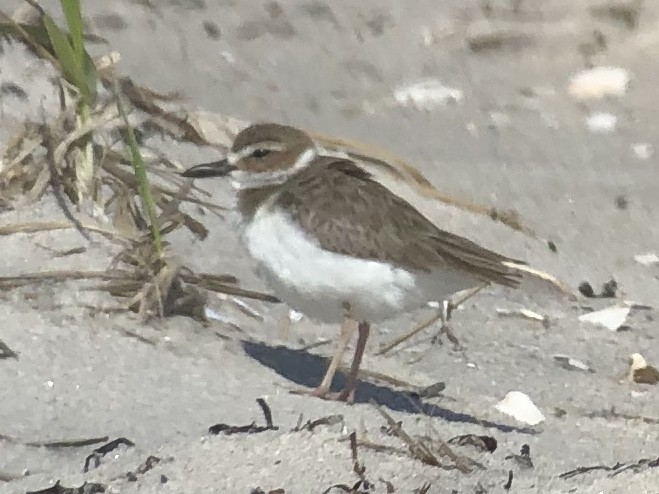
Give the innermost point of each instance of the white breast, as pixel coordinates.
(318, 282)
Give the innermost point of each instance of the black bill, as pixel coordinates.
(219, 168)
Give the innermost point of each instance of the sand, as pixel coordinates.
(514, 139)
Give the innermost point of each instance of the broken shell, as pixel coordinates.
(601, 122)
(427, 94)
(521, 408)
(598, 82)
(640, 371)
(570, 363)
(647, 259)
(611, 318)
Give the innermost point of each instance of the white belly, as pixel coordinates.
(319, 283)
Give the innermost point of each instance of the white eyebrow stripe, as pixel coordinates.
(247, 180)
(234, 156)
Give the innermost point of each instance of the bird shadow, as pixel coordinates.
(306, 369)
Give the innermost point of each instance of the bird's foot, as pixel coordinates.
(450, 336)
(345, 395)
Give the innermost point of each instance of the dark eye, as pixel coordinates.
(260, 153)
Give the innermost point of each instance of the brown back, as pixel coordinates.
(352, 214)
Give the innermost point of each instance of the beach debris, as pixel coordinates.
(487, 40)
(295, 316)
(244, 307)
(426, 450)
(570, 363)
(612, 318)
(427, 94)
(648, 259)
(212, 315)
(433, 391)
(485, 443)
(599, 82)
(523, 458)
(148, 464)
(608, 290)
(363, 485)
(601, 122)
(6, 352)
(643, 150)
(613, 414)
(252, 428)
(621, 201)
(523, 313)
(509, 482)
(640, 371)
(625, 13)
(520, 407)
(310, 425)
(636, 305)
(58, 488)
(103, 450)
(617, 469)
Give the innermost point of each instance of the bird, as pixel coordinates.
(337, 245)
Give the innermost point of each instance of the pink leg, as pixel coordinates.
(347, 330)
(323, 389)
(348, 392)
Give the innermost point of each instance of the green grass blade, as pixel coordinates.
(79, 70)
(90, 77)
(143, 186)
(71, 9)
(87, 69)
(63, 51)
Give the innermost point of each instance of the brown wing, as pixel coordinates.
(358, 216)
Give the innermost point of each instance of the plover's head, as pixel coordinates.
(261, 155)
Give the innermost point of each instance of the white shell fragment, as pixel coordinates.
(601, 122)
(525, 313)
(427, 94)
(213, 315)
(246, 308)
(643, 150)
(295, 316)
(640, 371)
(598, 82)
(520, 407)
(647, 259)
(611, 318)
(637, 361)
(570, 363)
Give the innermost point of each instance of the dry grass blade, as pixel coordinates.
(21, 146)
(60, 276)
(443, 314)
(387, 347)
(153, 283)
(30, 40)
(418, 448)
(22, 174)
(216, 283)
(97, 121)
(143, 185)
(542, 275)
(128, 178)
(44, 226)
(162, 288)
(146, 100)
